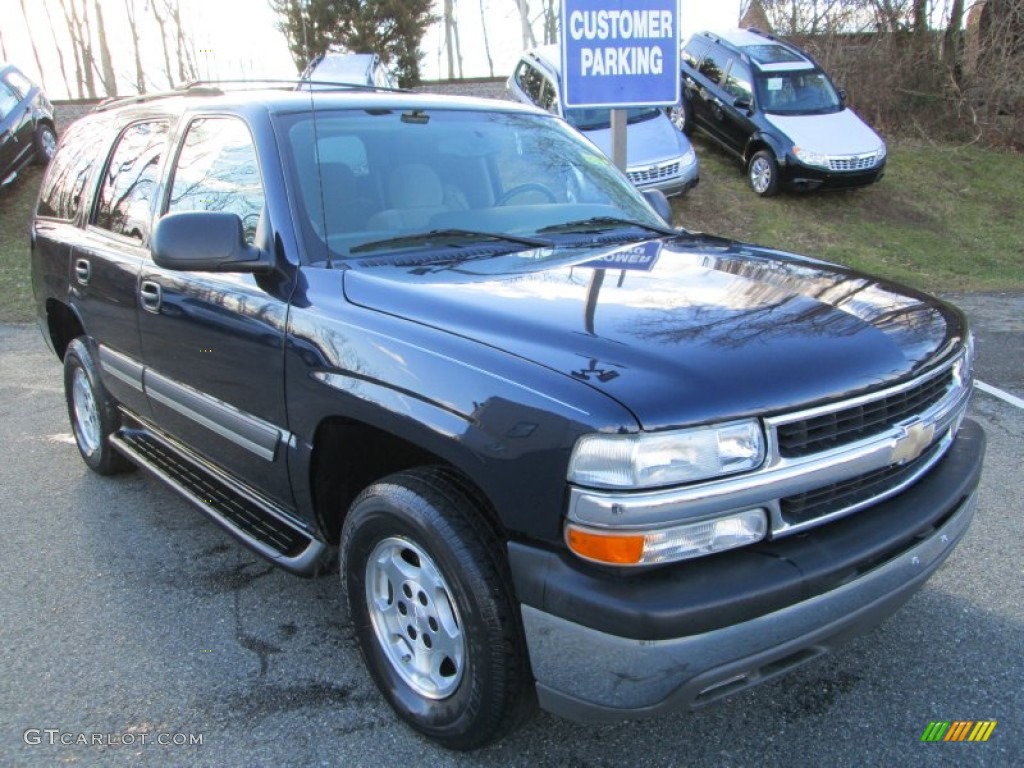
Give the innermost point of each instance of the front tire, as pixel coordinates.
(763, 174)
(93, 413)
(429, 595)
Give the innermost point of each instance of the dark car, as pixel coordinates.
(563, 452)
(27, 128)
(769, 103)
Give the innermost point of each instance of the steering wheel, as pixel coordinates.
(522, 189)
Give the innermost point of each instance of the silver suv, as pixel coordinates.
(659, 156)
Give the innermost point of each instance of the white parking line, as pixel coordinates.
(1006, 396)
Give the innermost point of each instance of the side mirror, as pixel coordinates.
(205, 241)
(657, 200)
(842, 95)
(742, 103)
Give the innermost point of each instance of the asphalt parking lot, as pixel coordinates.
(128, 620)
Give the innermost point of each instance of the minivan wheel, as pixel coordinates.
(763, 174)
(93, 413)
(429, 597)
(681, 116)
(46, 143)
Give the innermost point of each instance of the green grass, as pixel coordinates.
(943, 219)
(17, 201)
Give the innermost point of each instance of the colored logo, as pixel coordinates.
(959, 730)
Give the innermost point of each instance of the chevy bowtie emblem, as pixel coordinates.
(912, 442)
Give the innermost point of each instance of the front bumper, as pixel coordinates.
(799, 177)
(605, 646)
(686, 178)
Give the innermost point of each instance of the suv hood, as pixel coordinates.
(836, 133)
(682, 331)
(648, 142)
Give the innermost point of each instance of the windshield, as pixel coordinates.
(379, 180)
(597, 119)
(804, 92)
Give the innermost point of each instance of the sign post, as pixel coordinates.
(618, 54)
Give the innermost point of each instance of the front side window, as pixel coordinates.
(217, 170)
(737, 83)
(530, 80)
(130, 181)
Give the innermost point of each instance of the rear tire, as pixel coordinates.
(430, 598)
(681, 116)
(93, 413)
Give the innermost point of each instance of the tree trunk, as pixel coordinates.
(107, 76)
(952, 50)
(84, 32)
(161, 22)
(58, 48)
(75, 48)
(449, 45)
(487, 43)
(35, 50)
(133, 25)
(529, 41)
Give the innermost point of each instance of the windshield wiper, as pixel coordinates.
(448, 237)
(604, 224)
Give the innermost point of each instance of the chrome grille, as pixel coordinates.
(853, 163)
(654, 173)
(848, 494)
(847, 425)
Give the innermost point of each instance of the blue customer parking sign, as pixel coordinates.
(620, 53)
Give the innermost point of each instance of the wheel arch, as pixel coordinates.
(63, 325)
(349, 455)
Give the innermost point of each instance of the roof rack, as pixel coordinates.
(220, 87)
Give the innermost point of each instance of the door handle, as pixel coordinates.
(151, 296)
(83, 271)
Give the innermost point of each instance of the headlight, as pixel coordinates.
(653, 459)
(689, 158)
(807, 157)
(880, 153)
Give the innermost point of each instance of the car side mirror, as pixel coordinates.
(205, 241)
(842, 95)
(742, 103)
(657, 200)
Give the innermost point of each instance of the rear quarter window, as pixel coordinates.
(67, 185)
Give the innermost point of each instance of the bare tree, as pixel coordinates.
(525, 26)
(487, 42)
(451, 38)
(133, 26)
(57, 47)
(107, 75)
(184, 45)
(161, 22)
(32, 40)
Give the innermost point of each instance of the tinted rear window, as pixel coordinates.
(67, 183)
